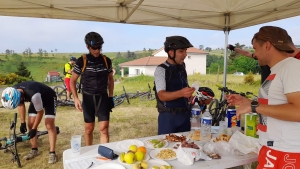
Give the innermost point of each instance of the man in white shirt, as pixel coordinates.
(278, 103)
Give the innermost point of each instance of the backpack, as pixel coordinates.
(84, 67)
(64, 71)
(168, 74)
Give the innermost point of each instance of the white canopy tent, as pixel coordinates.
(224, 15)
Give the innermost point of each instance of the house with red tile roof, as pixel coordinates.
(195, 62)
(52, 76)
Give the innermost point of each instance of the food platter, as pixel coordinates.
(165, 153)
(153, 143)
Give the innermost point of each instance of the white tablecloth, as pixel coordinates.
(224, 162)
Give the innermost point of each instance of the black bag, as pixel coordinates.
(107, 152)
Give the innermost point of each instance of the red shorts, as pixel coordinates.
(269, 158)
(67, 81)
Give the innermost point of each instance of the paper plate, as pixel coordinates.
(125, 144)
(109, 166)
(156, 162)
(154, 152)
(146, 158)
(151, 146)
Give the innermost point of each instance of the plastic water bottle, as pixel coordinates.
(195, 118)
(206, 121)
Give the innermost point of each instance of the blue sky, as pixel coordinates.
(17, 33)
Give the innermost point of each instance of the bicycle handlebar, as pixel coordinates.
(229, 91)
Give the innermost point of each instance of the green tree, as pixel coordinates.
(201, 47)
(7, 52)
(40, 54)
(118, 55)
(45, 53)
(208, 49)
(243, 64)
(212, 59)
(22, 71)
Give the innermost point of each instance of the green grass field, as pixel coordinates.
(128, 121)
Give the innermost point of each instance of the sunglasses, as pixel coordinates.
(95, 47)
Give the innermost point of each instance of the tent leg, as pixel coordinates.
(225, 58)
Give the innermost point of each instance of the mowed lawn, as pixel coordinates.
(128, 121)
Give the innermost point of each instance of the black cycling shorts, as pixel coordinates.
(49, 108)
(89, 108)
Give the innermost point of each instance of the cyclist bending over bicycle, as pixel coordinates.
(41, 97)
(204, 96)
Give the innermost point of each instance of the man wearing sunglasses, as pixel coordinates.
(97, 88)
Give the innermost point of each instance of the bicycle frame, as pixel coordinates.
(218, 107)
(120, 99)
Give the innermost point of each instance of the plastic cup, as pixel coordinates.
(222, 127)
(76, 144)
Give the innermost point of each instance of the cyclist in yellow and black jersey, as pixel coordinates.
(68, 73)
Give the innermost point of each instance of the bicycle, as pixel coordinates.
(65, 103)
(218, 108)
(120, 99)
(61, 91)
(10, 144)
(144, 96)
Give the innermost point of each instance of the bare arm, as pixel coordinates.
(111, 85)
(22, 112)
(288, 112)
(241, 51)
(73, 80)
(38, 119)
(168, 96)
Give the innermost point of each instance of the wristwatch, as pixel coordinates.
(254, 104)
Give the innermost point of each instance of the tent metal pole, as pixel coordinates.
(225, 58)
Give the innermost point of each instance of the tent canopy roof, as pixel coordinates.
(199, 14)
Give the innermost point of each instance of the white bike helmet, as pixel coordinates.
(10, 98)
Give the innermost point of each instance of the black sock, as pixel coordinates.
(34, 149)
(52, 152)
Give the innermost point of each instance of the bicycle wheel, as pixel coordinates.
(61, 92)
(213, 108)
(147, 97)
(118, 101)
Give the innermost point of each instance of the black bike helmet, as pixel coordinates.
(176, 42)
(72, 58)
(93, 39)
(206, 91)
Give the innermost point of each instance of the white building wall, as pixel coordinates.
(161, 53)
(195, 63)
(138, 70)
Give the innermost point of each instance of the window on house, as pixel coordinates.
(189, 57)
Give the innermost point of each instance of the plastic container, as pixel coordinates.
(206, 122)
(195, 122)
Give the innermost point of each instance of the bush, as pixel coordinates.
(12, 79)
(249, 78)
